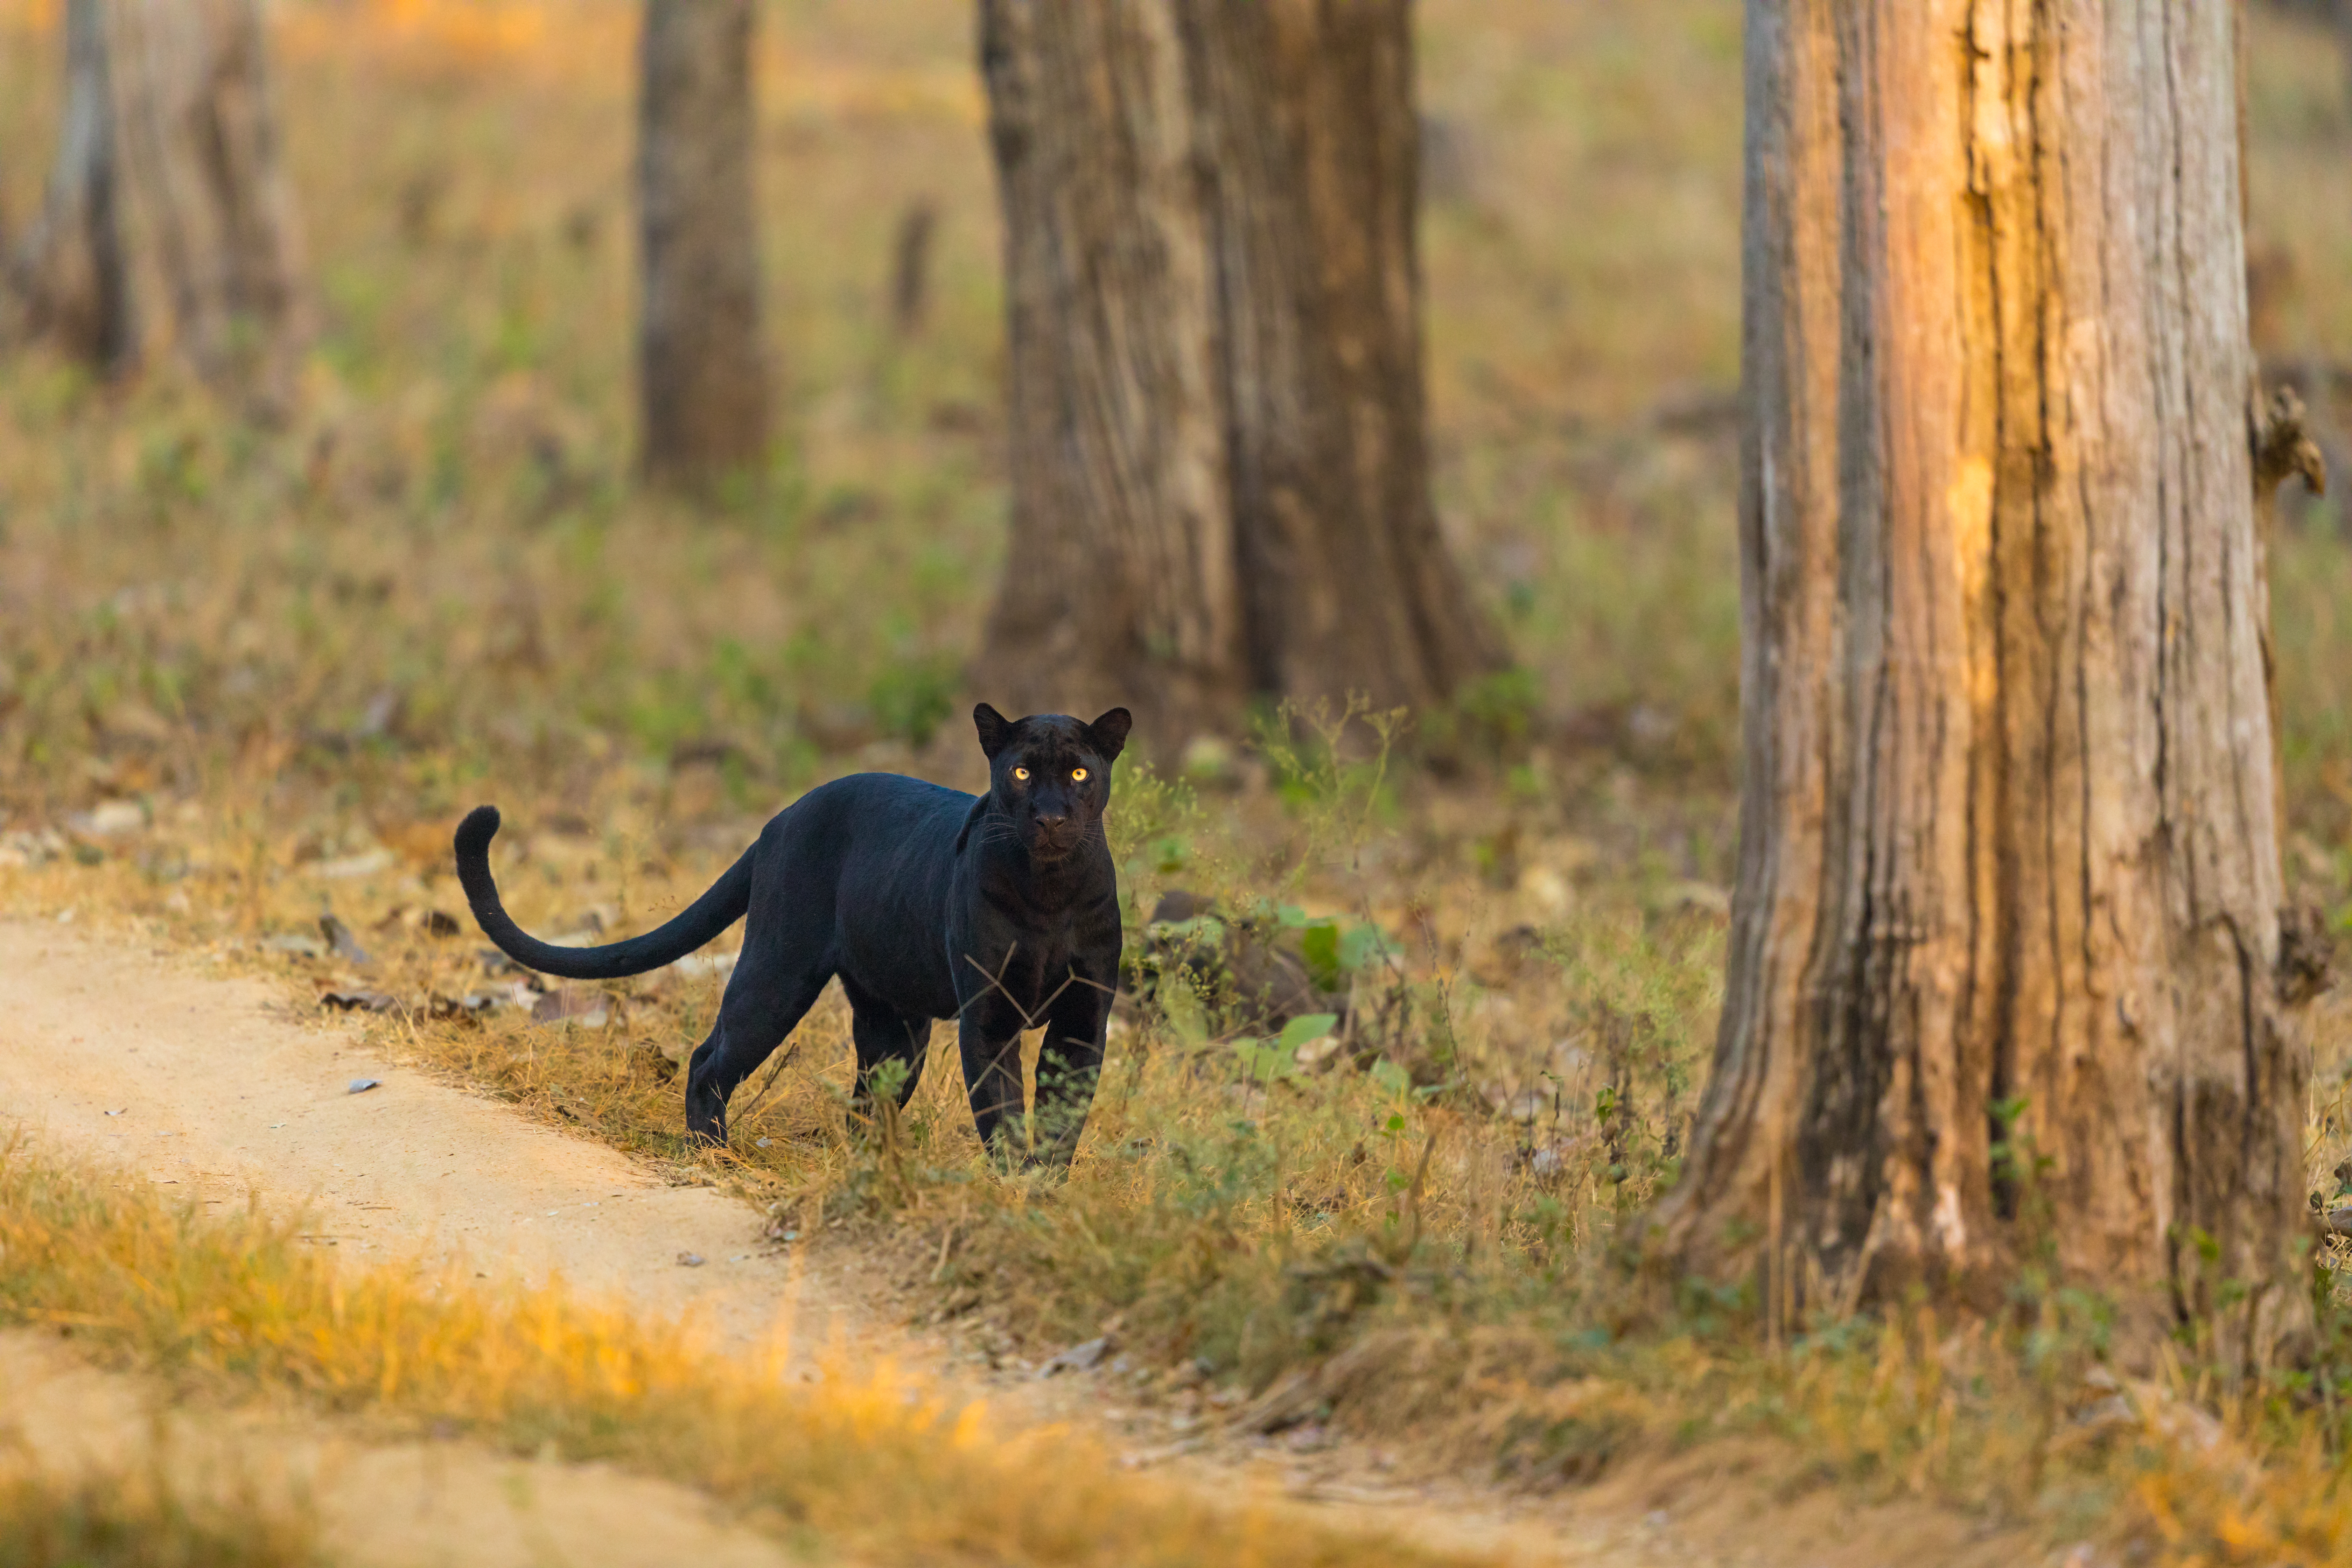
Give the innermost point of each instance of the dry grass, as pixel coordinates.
(294, 656)
(865, 1463)
(1266, 1241)
(137, 1521)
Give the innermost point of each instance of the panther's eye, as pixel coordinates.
(1022, 774)
(1079, 775)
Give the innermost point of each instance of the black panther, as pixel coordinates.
(999, 910)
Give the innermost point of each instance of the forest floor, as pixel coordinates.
(250, 677)
(136, 1062)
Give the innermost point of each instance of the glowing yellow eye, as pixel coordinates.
(1020, 774)
(1079, 775)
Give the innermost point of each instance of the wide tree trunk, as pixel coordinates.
(67, 282)
(702, 367)
(200, 131)
(1220, 470)
(2006, 964)
(169, 214)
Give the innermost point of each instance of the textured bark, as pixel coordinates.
(2009, 844)
(1219, 464)
(702, 368)
(169, 217)
(67, 282)
(200, 138)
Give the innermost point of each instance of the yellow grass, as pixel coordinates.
(139, 1521)
(865, 1463)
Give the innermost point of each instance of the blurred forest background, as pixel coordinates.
(437, 564)
(257, 653)
(442, 553)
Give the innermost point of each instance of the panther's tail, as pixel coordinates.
(721, 906)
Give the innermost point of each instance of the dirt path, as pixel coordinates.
(136, 1059)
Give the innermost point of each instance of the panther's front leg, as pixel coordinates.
(1069, 1061)
(988, 1035)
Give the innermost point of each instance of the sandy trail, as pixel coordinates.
(132, 1058)
(135, 1059)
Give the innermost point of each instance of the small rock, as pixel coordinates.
(1548, 891)
(109, 819)
(349, 868)
(1082, 1357)
(690, 1260)
(1318, 1051)
(2102, 1414)
(361, 1085)
(574, 1004)
(31, 849)
(1550, 1158)
(1700, 898)
(705, 965)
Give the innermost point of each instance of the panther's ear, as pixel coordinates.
(1110, 732)
(995, 729)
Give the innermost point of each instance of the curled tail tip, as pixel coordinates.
(474, 834)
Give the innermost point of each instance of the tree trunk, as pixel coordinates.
(201, 137)
(167, 184)
(702, 371)
(67, 282)
(1219, 466)
(2005, 966)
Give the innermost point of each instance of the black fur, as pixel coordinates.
(999, 910)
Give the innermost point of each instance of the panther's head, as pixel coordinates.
(1050, 774)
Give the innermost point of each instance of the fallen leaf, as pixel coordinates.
(359, 1001)
(341, 942)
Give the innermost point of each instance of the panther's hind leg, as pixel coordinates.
(891, 1043)
(766, 1001)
